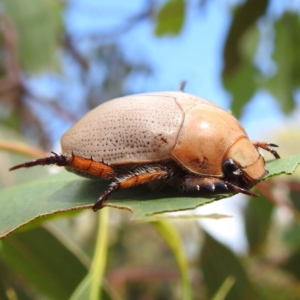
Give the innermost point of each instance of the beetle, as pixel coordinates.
(172, 137)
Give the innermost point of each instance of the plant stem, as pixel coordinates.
(99, 260)
(172, 238)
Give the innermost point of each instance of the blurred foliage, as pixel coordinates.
(41, 262)
(257, 222)
(241, 48)
(38, 26)
(218, 263)
(170, 18)
(52, 260)
(287, 46)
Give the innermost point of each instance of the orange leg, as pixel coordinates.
(136, 177)
(88, 166)
(91, 167)
(267, 147)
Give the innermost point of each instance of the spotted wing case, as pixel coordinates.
(134, 129)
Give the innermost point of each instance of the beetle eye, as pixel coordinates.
(230, 167)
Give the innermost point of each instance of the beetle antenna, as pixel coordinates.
(241, 190)
(55, 159)
(182, 86)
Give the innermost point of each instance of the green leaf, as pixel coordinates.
(10, 287)
(239, 72)
(241, 86)
(286, 165)
(241, 82)
(28, 254)
(258, 216)
(218, 263)
(286, 56)
(65, 191)
(244, 19)
(170, 18)
(38, 23)
(291, 264)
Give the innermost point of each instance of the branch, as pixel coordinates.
(59, 110)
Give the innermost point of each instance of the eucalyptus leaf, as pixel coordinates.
(241, 82)
(38, 256)
(170, 18)
(286, 57)
(219, 263)
(22, 204)
(244, 17)
(258, 218)
(39, 25)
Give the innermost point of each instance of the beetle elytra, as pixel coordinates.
(166, 136)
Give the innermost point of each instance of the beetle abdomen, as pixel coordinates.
(133, 129)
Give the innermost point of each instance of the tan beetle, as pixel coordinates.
(173, 136)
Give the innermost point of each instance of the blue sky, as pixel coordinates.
(173, 58)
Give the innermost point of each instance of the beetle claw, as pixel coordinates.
(267, 147)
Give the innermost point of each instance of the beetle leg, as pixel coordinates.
(267, 147)
(87, 166)
(91, 167)
(55, 159)
(134, 178)
(194, 183)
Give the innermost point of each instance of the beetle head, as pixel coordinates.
(243, 165)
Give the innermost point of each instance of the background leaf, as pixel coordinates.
(244, 18)
(286, 57)
(244, 72)
(39, 24)
(218, 263)
(258, 216)
(35, 260)
(170, 18)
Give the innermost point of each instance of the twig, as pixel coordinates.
(67, 41)
(130, 23)
(11, 81)
(59, 110)
(21, 148)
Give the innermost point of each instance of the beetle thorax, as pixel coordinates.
(246, 156)
(206, 136)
